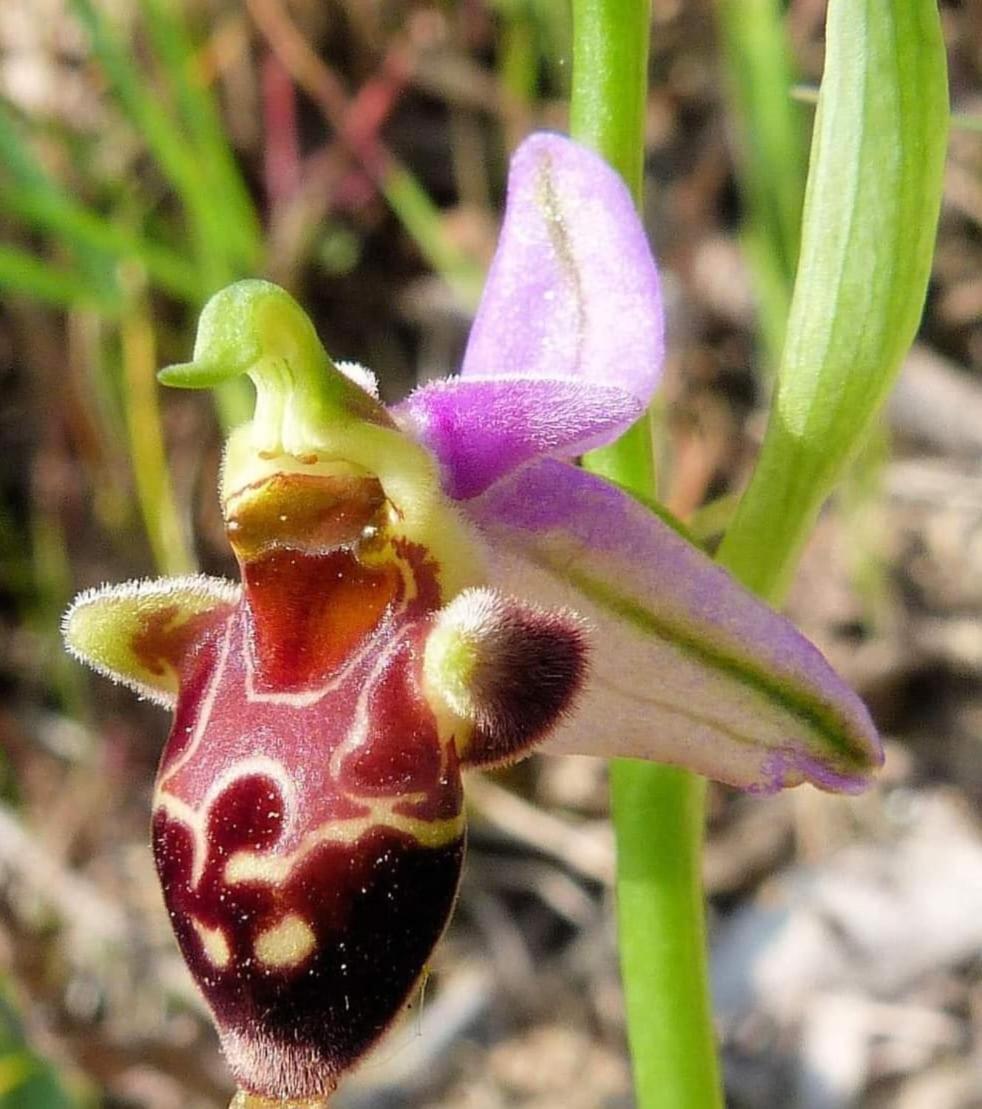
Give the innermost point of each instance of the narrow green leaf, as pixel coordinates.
(771, 153)
(24, 273)
(871, 211)
(422, 220)
(28, 192)
(73, 224)
(169, 146)
(176, 51)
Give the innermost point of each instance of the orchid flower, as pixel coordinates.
(428, 588)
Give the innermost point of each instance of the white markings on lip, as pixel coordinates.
(197, 819)
(358, 733)
(266, 866)
(287, 944)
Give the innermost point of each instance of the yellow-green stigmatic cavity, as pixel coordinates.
(314, 420)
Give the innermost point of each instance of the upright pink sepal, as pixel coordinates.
(573, 289)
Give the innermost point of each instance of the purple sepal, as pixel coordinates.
(689, 667)
(481, 429)
(573, 290)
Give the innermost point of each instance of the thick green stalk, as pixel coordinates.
(874, 188)
(610, 82)
(657, 811)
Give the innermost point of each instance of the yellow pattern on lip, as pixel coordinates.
(273, 870)
(286, 944)
(213, 943)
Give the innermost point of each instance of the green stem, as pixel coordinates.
(658, 811)
(610, 82)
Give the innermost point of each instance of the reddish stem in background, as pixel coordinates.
(281, 152)
(321, 84)
(355, 120)
(366, 114)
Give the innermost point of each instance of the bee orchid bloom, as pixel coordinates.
(428, 588)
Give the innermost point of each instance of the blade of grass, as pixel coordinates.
(422, 220)
(216, 263)
(175, 156)
(771, 153)
(176, 51)
(26, 274)
(53, 589)
(31, 194)
(79, 227)
(154, 491)
(16, 569)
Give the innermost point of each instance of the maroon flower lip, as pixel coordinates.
(308, 826)
(426, 589)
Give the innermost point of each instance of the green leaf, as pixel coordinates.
(168, 145)
(28, 192)
(871, 211)
(197, 107)
(24, 273)
(771, 148)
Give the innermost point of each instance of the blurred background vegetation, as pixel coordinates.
(354, 151)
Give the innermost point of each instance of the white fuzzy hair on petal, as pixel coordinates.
(361, 376)
(218, 590)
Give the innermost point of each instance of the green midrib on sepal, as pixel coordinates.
(801, 705)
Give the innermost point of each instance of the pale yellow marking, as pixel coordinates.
(243, 1100)
(213, 943)
(100, 624)
(274, 870)
(383, 552)
(286, 944)
(449, 699)
(269, 869)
